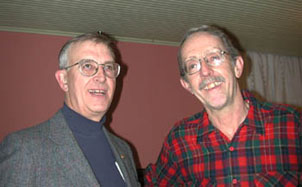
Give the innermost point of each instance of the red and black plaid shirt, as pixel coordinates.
(265, 151)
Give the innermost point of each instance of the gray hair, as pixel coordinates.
(226, 38)
(97, 37)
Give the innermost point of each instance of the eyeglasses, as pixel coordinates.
(213, 58)
(90, 67)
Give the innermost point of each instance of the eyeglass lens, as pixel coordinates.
(90, 68)
(213, 59)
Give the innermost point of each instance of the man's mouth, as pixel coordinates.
(211, 85)
(211, 82)
(97, 92)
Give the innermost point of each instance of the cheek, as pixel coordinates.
(111, 85)
(194, 84)
(78, 85)
(227, 72)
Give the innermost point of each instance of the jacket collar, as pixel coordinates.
(71, 162)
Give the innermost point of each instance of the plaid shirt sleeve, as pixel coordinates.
(163, 173)
(300, 134)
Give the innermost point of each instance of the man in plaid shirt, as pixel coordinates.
(235, 140)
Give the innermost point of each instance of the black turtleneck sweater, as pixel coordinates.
(95, 146)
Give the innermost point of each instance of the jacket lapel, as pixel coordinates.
(71, 161)
(120, 156)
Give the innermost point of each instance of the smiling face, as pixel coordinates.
(88, 96)
(216, 87)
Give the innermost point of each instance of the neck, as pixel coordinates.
(93, 116)
(228, 119)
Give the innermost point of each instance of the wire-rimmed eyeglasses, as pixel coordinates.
(89, 68)
(212, 58)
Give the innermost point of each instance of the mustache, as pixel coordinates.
(208, 80)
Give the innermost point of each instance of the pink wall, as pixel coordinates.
(148, 102)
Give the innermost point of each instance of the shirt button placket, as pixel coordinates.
(234, 180)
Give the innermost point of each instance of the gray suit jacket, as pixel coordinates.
(48, 155)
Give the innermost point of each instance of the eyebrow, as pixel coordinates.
(88, 59)
(205, 53)
(191, 58)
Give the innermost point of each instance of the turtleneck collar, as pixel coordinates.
(80, 124)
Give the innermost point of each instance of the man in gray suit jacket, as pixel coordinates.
(73, 148)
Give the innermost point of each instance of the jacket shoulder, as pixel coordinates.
(16, 154)
(26, 136)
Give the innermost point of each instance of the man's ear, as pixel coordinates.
(186, 85)
(61, 76)
(238, 66)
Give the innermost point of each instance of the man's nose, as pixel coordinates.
(100, 76)
(205, 69)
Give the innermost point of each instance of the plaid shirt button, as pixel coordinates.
(231, 148)
(234, 181)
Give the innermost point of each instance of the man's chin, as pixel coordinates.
(215, 105)
(99, 109)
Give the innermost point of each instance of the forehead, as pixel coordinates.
(199, 43)
(90, 48)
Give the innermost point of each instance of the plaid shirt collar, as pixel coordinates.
(255, 118)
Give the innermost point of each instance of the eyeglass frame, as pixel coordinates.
(81, 62)
(221, 52)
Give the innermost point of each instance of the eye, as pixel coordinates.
(87, 66)
(109, 67)
(192, 66)
(213, 59)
